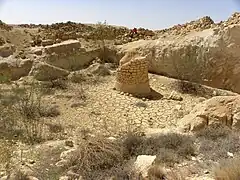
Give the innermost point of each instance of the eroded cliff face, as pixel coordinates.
(211, 56)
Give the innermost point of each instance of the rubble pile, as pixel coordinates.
(29, 26)
(59, 32)
(234, 19)
(5, 26)
(182, 29)
(141, 34)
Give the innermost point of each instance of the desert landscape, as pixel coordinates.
(95, 102)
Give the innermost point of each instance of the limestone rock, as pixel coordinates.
(64, 178)
(14, 69)
(132, 76)
(203, 57)
(175, 96)
(143, 163)
(38, 51)
(47, 42)
(223, 110)
(98, 69)
(69, 55)
(7, 50)
(63, 47)
(45, 72)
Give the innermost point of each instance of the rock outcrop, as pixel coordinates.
(221, 110)
(132, 75)
(209, 57)
(14, 69)
(69, 55)
(183, 29)
(7, 50)
(44, 72)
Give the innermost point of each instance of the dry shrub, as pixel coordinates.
(170, 148)
(228, 170)
(97, 154)
(131, 144)
(216, 142)
(175, 175)
(214, 132)
(156, 172)
(167, 157)
(50, 111)
(22, 109)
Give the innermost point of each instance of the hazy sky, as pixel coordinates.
(153, 14)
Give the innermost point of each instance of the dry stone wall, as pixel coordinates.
(132, 76)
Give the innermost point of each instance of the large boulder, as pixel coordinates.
(14, 69)
(45, 72)
(7, 50)
(209, 57)
(132, 76)
(219, 110)
(69, 55)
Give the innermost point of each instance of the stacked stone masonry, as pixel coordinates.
(132, 76)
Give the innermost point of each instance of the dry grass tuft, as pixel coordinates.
(216, 142)
(214, 132)
(228, 170)
(170, 148)
(97, 154)
(156, 172)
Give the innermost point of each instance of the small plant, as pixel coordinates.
(102, 32)
(29, 106)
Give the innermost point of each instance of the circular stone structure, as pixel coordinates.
(132, 76)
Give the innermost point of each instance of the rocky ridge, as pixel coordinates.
(77, 63)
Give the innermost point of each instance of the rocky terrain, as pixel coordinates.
(86, 102)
